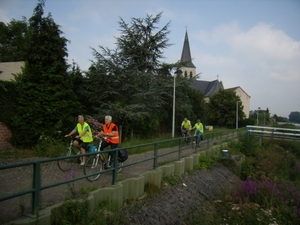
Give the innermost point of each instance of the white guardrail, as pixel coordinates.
(274, 132)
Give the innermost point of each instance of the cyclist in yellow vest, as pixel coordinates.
(186, 127)
(84, 137)
(199, 131)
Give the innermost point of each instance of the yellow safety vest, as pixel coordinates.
(187, 124)
(199, 127)
(87, 137)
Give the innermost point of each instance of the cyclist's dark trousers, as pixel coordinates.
(104, 144)
(198, 137)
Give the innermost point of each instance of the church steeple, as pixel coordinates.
(186, 52)
(189, 69)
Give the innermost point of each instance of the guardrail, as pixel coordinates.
(274, 132)
(37, 187)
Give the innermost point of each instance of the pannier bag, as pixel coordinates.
(92, 148)
(123, 156)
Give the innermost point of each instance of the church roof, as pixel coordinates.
(186, 53)
(235, 88)
(208, 88)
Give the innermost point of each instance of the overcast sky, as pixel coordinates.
(254, 44)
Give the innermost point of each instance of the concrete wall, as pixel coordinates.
(131, 188)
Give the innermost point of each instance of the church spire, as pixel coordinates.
(186, 53)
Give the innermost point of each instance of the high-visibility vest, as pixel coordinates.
(115, 138)
(187, 124)
(199, 127)
(87, 137)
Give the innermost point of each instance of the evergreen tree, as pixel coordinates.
(46, 101)
(135, 86)
(13, 40)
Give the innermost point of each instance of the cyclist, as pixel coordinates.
(186, 127)
(199, 131)
(84, 137)
(111, 133)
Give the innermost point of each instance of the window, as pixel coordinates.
(191, 74)
(185, 74)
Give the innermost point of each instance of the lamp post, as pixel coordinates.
(178, 72)
(257, 115)
(237, 115)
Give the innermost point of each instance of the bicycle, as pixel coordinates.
(185, 135)
(198, 136)
(98, 162)
(66, 164)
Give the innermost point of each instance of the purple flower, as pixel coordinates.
(249, 187)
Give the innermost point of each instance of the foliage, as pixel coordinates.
(133, 85)
(270, 193)
(280, 118)
(294, 117)
(105, 214)
(172, 179)
(151, 190)
(222, 109)
(45, 101)
(205, 162)
(248, 144)
(13, 40)
(71, 213)
(8, 105)
(49, 146)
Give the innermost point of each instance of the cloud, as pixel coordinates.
(4, 16)
(259, 50)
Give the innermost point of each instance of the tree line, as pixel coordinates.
(130, 82)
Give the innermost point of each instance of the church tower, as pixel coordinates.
(189, 69)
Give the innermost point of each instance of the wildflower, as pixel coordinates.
(235, 208)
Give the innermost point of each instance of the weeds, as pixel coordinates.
(151, 190)
(71, 212)
(172, 179)
(87, 189)
(205, 162)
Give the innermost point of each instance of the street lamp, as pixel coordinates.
(178, 72)
(237, 115)
(257, 115)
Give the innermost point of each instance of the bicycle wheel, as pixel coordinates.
(93, 165)
(66, 164)
(120, 164)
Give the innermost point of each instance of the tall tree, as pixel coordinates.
(294, 117)
(222, 109)
(135, 85)
(46, 101)
(13, 40)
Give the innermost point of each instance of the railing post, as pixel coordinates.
(115, 165)
(155, 156)
(207, 142)
(36, 186)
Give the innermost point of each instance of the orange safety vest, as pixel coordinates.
(114, 139)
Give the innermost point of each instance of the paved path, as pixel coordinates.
(20, 179)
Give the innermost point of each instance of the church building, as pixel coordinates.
(208, 88)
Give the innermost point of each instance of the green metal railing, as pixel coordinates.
(37, 187)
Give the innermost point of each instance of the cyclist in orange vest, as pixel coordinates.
(111, 132)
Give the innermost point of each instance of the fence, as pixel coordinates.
(160, 150)
(274, 132)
